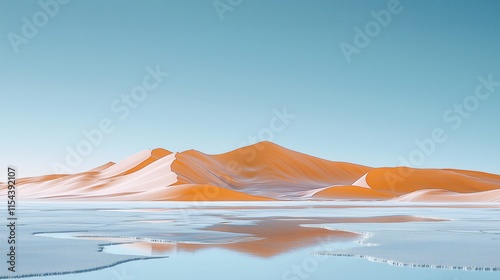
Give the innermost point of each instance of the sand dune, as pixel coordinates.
(196, 194)
(156, 154)
(128, 177)
(405, 180)
(447, 196)
(102, 167)
(264, 171)
(352, 193)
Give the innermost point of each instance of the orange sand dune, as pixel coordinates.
(102, 167)
(405, 180)
(353, 193)
(156, 154)
(195, 193)
(264, 169)
(108, 182)
(40, 179)
(447, 196)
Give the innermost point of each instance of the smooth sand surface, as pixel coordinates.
(263, 171)
(405, 180)
(352, 192)
(155, 155)
(442, 195)
(197, 194)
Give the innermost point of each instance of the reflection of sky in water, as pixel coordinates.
(222, 264)
(130, 233)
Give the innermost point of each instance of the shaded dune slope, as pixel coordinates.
(263, 171)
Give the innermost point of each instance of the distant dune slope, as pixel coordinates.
(263, 171)
(405, 180)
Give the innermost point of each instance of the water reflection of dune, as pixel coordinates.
(265, 237)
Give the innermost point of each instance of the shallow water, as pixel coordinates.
(271, 240)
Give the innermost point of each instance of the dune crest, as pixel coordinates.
(263, 171)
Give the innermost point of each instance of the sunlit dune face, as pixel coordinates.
(201, 193)
(40, 179)
(353, 192)
(264, 169)
(155, 155)
(404, 180)
(259, 172)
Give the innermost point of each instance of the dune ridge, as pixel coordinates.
(259, 172)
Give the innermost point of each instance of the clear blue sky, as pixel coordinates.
(228, 75)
